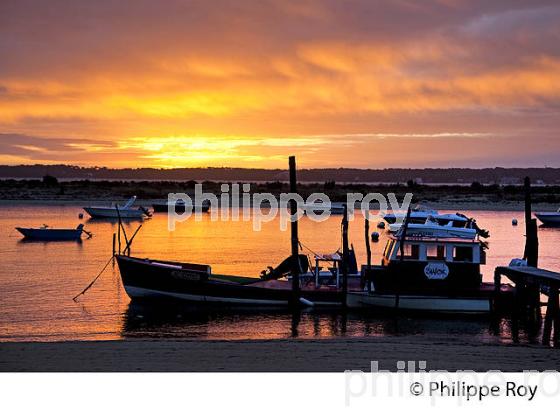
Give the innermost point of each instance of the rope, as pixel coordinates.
(93, 281)
(309, 249)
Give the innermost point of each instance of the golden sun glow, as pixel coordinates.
(305, 78)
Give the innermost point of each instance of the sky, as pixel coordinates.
(338, 83)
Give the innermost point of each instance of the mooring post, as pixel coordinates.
(294, 234)
(531, 253)
(556, 314)
(403, 230)
(114, 242)
(345, 256)
(366, 275)
(497, 282)
(531, 292)
(119, 235)
(551, 317)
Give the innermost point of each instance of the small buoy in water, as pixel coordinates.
(81, 216)
(375, 236)
(381, 225)
(514, 222)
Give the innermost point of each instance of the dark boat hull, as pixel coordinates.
(51, 234)
(148, 279)
(178, 208)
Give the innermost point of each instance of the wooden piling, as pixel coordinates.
(294, 234)
(114, 242)
(404, 228)
(119, 235)
(368, 246)
(345, 256)
(551, 318)
(531, 253)
(530, 292)
(366, 275)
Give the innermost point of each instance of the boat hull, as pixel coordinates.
(549, 218)
(424, 303)
(51, 234)
(179, 208)
(112, 213)
(148, 279)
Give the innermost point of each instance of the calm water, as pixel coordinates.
(38, 280)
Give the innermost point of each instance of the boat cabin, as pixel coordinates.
(434, 249)
(429, 264)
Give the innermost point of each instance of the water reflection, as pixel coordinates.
(142, 320)
(39, 280)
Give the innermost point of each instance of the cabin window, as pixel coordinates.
(435, 252)
(412, 251)
(463, 254)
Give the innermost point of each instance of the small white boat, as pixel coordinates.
(125, 211)
(420, 215)
(45, 233)
(431, 229)
(549, 218)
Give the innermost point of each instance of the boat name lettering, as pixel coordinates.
(437, 271)
(185, 275)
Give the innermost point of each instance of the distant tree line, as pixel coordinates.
(329, 176)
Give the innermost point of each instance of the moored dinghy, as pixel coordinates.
(116, 211)
(549, 218)
(46, 233)
(148, 279)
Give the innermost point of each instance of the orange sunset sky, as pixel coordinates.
(344, 83)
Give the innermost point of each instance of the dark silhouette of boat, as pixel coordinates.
(45, 233)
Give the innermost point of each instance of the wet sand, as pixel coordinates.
(323, 355)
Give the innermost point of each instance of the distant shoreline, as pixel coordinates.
(476, 196)
(440, 206)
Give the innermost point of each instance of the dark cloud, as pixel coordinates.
(272, 68)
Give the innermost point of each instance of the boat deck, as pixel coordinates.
(353, 285)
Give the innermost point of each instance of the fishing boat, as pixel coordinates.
(149, 279)
(427, 273)
(549, 218)
(46, 233)
(180, 206)
(116, 211)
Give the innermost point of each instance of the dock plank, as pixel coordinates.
(530, 273)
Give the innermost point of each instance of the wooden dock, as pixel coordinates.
(530, 281)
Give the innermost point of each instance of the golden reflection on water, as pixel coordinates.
(38, 280)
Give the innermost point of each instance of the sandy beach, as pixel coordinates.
(322, 355)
